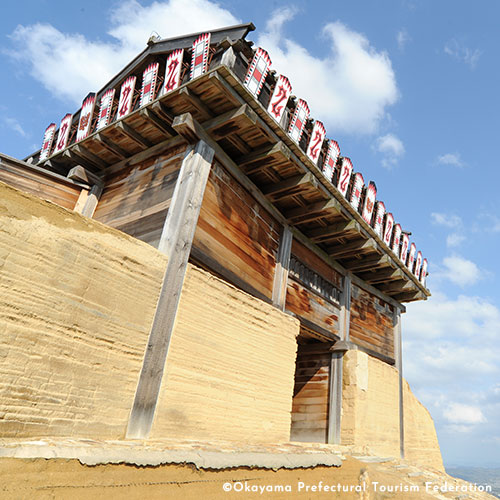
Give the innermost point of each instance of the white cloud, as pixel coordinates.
(446, 220)
(402, 38)
(349, 89)
(391, 148)
(462, 414)
(451, 159)
(454, 240)
(13, 124)
(69, 65)
(461, 53)
(460, 271)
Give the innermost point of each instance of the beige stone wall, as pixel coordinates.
(370, 413)
(421, 442)
(76, 303)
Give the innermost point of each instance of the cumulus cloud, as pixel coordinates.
(454, 240)
(446, 220)
(69, 65)
(391, 148)
(349, 89)
(458, 413)
(458, 51)
(452, 159)
(460, 271)
(14, 125)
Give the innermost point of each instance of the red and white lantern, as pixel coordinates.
(173, 70)
(369, 204)
(48, 138)
(330, 162)
(62, 137)
(126, 96)
(316, 142)
(388, 227)
(149, 84)
(423, 274)
(257, 71)
(405, 244)
(298, 121)
(411, 257)
(378, 222)
(396, 241)
(86, 115)
(418, 264)
(279, 99)
(345, 175)
(199, 59)
(105, 108)
(357, 189)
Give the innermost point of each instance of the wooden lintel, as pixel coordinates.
(158, 122)
(352, 248)
(85, 153)
(314, 211)
(230, 122)
(365, 264)
(111, 146)
(291, 186)
(382, 275)
(196, 102)
(334, 231)
(259, 159)
(133, 134)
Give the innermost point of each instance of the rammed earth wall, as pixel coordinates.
(76, 302)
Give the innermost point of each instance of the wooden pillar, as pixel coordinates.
(399, 365)
(337, 365)
(175, 242)
(281, 269)
(87, 202)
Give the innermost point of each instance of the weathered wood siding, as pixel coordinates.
(136, 198)
(312, 292)
(310, 400)
(236, 238)
(34, 181)
(371, 323)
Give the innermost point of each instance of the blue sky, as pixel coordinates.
(409, 90)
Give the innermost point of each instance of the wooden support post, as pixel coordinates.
(92, 200)
(399, 365)
(87, 203)
(337, 366)
(281, 269)
(175, 242)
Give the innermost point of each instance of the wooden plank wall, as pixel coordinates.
(372, 323)
(307, 303)
(135, 199)
(310, 400)
(34, 181)
(235, 237)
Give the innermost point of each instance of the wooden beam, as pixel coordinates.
(382, 275)
(132, 134)
(398, 286)
(259, 159)
(157, 122)
(281, 269)
(364, 264)
(176, 241)
(289, 187)
(352, 248)
(82, 151)
(230, 122)
(111, 146)
(92, 200)
(79, 174)
(409, 296)
(334, 231)
(314, 211)
(190, 97)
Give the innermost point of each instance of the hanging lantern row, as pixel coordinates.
(337, 169)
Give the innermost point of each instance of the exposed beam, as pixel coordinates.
(85, 153)
(364, 264)
(281, 269)
(409, 296)
(230, 122)
(132, 134)
(111, 146)
(334, 231)
(314, 211)
(289, 187)
(190, 97)
(157, 122)
(399, 286)
(352, 248)
(382, 275)
(261, 158)
(75, 158)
